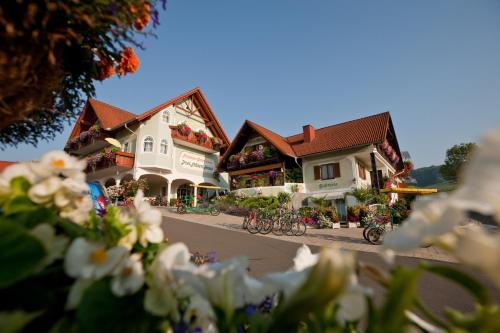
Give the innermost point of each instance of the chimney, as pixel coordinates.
(309, 133)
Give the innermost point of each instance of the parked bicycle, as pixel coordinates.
(280, 222)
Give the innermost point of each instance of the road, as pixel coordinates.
(268, 255)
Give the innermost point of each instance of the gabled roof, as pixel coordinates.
(110, 116)
(206, 111)
(354, 133)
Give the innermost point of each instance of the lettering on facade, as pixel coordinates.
(328, 185)
(197, 162)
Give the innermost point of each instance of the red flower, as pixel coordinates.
(144, 16)
(129, 63)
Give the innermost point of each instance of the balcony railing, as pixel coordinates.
(237, 164)
(119, 160)
(203, 143)
(86, 142)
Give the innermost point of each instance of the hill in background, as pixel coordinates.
(431, 177)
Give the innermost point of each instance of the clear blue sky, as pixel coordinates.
(434, 64)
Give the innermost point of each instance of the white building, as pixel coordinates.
(326, 162)
(152, 146)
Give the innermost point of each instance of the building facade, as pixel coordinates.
(326, 162)
(173, 146)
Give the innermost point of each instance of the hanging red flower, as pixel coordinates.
(105, 69)
(129, 63)
(144, 16)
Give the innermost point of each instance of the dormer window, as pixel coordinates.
(165, 117)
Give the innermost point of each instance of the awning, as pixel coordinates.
(206, 186)
(409, 190)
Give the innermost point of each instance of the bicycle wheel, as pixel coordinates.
(300, 228)
(245, 222)
(266, 225)
(181, 209)
(376, 236)
(253, 226)
(277, 228)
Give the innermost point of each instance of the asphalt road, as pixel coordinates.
(268, 255)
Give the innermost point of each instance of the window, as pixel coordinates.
(163, 146)
(361, 171)
(165, 117)
(148, 144)
(327, 171)
(126, 147)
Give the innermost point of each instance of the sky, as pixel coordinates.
(434, 64)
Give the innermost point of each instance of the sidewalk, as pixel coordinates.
(345, 238)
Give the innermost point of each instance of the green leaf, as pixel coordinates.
(11, 322)
(20, 253)
(467, 282)
(400, 297)
(101, 311)
(20, 185)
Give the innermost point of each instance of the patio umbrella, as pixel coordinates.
(114, 142)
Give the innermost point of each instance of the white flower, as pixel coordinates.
(79, 209)
(435, 221)
(304, 258)
(479, 249)
(57, 163)
(91, 260)
(44, 191)
(160, 299)
(352, 303)
(54, 245)
(70, 189)
(289, 282)
(200, 313)
(148, 221)
(14, 171)
(76, 293)
(128, 276)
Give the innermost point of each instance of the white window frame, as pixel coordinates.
(166, 146)
(167, 113)
(144, 144)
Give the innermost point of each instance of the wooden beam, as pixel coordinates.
(256, 169)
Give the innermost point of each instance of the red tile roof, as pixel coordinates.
(110, 116)
(4, 164)
(354, 133)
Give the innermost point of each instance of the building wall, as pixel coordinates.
(346, 179)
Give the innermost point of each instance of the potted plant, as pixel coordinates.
(184, 129)
(216, 142)
(201, 137)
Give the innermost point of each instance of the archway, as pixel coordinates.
(182, 190)
(110, 182)
(156, 186)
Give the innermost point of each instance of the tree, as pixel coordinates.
(52, 53)
(456, 156)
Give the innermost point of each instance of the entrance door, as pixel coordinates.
(341, 210)
(185, 193)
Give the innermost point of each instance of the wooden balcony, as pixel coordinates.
(192, 142)
(88, 145)
(114, 162)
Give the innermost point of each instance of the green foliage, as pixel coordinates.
(368, 196)
(284, 197)
(115, 314)
(456, 157)
(131, 187)
(293, 175)
(20, 253)
(62, 44)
